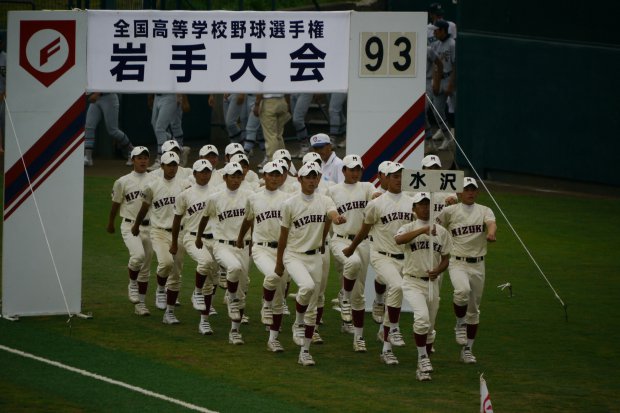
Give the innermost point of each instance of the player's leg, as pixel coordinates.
(231, 119)
(110, 107)
(415, 293)
(166, 106)
(227, 258)
(173, 283)
(161, 240)
(320, 304)
(283, 116)
(93, 117)
(472, 318)
(337, 118)
(389, 272)
(252, 126)
(459, 276)
(265, 260)
(300, 103)
(358, 301)
(145, 270)
(136, 261)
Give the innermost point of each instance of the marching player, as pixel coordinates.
(306, 218)
(351, 198)
(384, 215)
(262, 212)
(471, 225)
(173, 146)
(419, 271)
(228, 208)
(160, 194)
(440, 199)
(126, 199)
(211, 154)
(188, 208)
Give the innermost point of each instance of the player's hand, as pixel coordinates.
(198, 242)
(240, 244)
(173, 249)
(110, 228)
(491, 238)
(135, 230)
(279, 270)
(348, 251)
(376, 195)
(322, 248)
(92, 98)
(451, 200)
(240, 98)
(433, 274)
(255, 109)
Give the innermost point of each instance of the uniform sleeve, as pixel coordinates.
(286, 215)
(210, 206)
(446, 241)
(117, 192)
(180, 203)
(370, 213)
(403, 229)
(147, 193)
(329, 204)
(370, 191)
(443, 217)
(488, 215)
(249, 208)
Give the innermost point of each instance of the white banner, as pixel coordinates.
(217, 51)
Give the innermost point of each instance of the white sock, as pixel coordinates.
(470, 343)
(160, 289)
(273, 335)
(170, 308)
(299, 318)
(379, 298)
(133, 282)
(235, 325)
(387, 346)
(460, 321)
(232, 296)
(142, 297)
(358, 332)
(393, 326)
(422, 352)
(347, 295)
(268, 304)
(197, 290)
(306, 345)
(204, 317)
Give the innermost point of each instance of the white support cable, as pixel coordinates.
(429, 100)
(36, 205)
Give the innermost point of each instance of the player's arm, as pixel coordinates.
(256, 108)
(201, 227)
(135, 229)
(92, 98)
(336, 218)
(437, 73)
(176, 228)
(112, 216)
(491, 230)
(361, 236)
(282, 241)
(443, 264)
(245, 226)
(407, 237)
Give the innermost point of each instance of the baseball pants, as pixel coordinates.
(415, 293)
(236, 261)
(354, 267)
(164, 113)
(468, 282)
(140, 249)
(265, 260)
(205, 263)
(273, 116)
(307, 272)
(300, 103)
(389, 272)
(106, 107)
(235, 113)
(337, 119)
(168, 266)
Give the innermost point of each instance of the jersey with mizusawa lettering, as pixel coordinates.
(191, 204)
(263, 207)
(350, 201)
(466, 224)
(305, 216)
(417, 261)
(386, 214)
(160, 194)
(127, 191)
(227, 209)
(439, 201)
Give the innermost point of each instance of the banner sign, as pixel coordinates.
(425, 180)
(217, 51)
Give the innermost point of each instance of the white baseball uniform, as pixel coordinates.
(466, 224)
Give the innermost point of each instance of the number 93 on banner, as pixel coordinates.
(387, 54)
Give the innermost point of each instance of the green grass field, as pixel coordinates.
(533, 359)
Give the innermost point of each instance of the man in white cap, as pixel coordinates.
(306, 218)
(351, 198)
(262, 213)
(159, 196)
(471, 225)
(419, 271)
(171, 146)
(126, 199)
(211, 154)
(286, 155)
(385, 214)
(440, 199)
(332, 164)
(250, 178)
(188, 209)
(228, 208)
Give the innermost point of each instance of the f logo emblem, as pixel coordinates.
(47, 48)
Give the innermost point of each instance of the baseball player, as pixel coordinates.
(159, 196)
(228, 208)
(173, 146)
(188, 208)
(351, 198)
(288, 183)
(211, 154)
(250, 178)
(419, 271)
(332, 164)
(233, 149)
(306, 218)
(106, 106)
(286, 155)
(126, 200)
(440, 199)
(384, 215)
(445, 49)
(262, 212)
(471, 225)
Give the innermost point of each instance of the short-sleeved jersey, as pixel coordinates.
(161, 194)
(216, 177)
(191, 204)
(417, 261)
(350, 201)
(291, 185)
(227, 209)
(127, 191)
(332, 169)
(466, 224)
(439, 200)
(446, 50)
(386, 214)
(263, 207)
(305, 216)
(186, 173)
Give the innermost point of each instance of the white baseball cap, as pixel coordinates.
(307, 168)
(170, 145)
(319, 140)
(393, 168)
(383, 166)
(282, 154)
(470, 181)
(282, 163)
(274, 166)
(430, 160)
(239, 157)
(233, 148)
(207, 149)
(202, 164)
(351, 161)
(139, 150)
(232, 167)
(170, 157)
(419, 196)
(312, 157)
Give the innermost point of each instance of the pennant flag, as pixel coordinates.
(485, 398)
